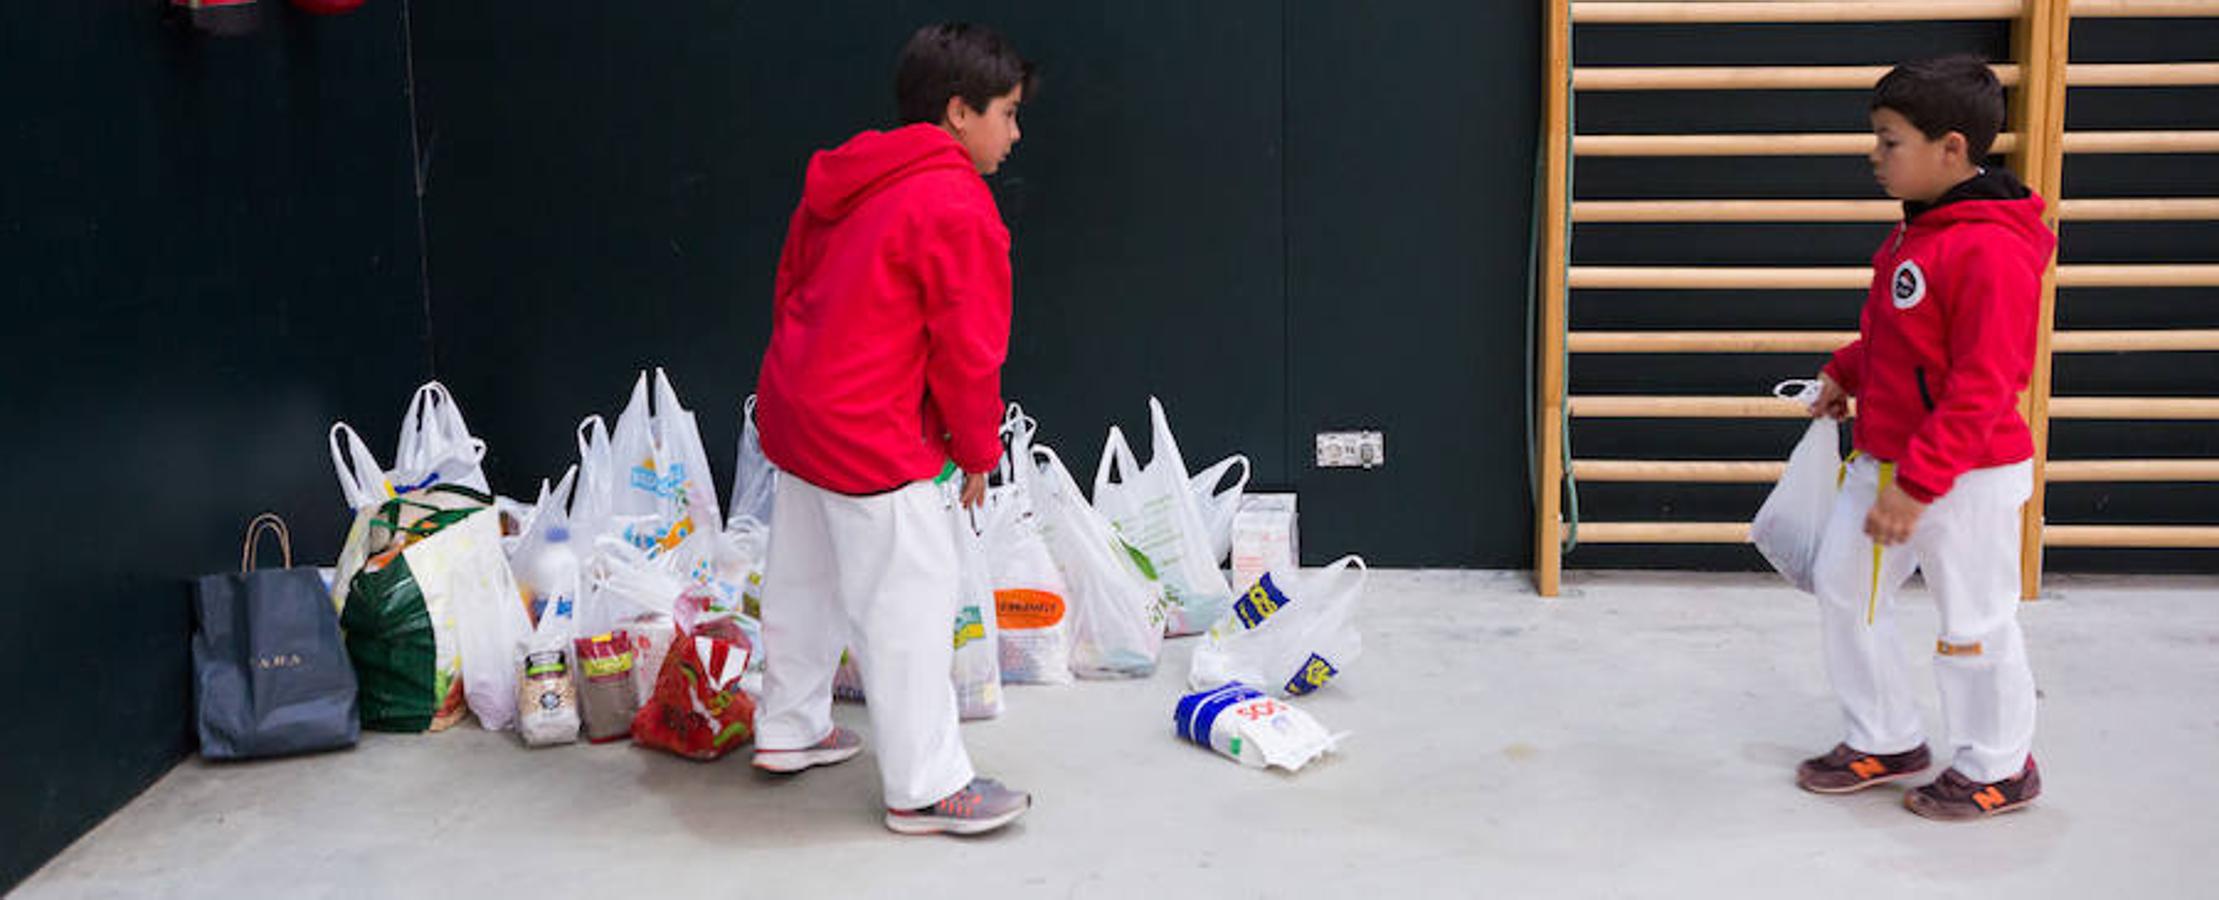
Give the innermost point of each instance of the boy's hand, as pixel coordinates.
(974, 490)
(1832, 402)
(1894, 515)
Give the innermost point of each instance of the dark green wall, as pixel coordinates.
(1279, 217)
(212, 249)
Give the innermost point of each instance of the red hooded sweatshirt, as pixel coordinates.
(1947, 337)
(890, 320)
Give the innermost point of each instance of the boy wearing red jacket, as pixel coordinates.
(1944, 460)
(889, 328)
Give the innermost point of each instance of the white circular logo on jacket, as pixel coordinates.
(1908, 287)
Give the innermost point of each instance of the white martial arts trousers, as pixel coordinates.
(876, 575)
(1967, 544)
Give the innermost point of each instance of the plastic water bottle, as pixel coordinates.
(552, 572)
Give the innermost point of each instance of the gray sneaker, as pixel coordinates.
(838, 747)
(980, 807)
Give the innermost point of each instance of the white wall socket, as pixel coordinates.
(1351, 450)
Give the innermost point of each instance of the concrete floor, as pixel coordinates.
(1633, 739)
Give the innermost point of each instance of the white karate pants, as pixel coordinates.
(876, 575)
(1967, 544)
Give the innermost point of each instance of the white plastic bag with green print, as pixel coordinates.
(1291, 632)
(1154, 508)
(1117, 605)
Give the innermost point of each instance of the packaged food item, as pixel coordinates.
(607, 699)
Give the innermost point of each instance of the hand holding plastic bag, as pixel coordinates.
(1788, 526)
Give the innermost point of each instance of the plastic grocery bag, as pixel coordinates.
(1117, 606)
(435, 445)
(1291, 632)
(754, 478)
(462, 567)
(697, 709)
(977, 668)
(662, 487)
(1031, 605)
(1154, 509)
(402, 627)
(1220, 505)
(1788, 526)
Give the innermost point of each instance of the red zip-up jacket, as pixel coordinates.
(1946, 342)
(890, 321)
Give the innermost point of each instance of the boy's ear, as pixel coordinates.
(1955, 143)
(955, 112)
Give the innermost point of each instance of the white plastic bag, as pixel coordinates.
(435, 445)
(462, 567)
(663, 483)
(1788, 526)
(1031, 598)
(361, 480)
(592, 501)
(1239, 721)
(1290, 633)
(1153, 508)
(1117, 606)
(1218, 507)
(754, 478)
(978, 669)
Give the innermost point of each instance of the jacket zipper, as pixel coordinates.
(1924, 397)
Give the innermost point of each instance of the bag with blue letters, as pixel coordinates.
(1255, 730)
(1290, 633)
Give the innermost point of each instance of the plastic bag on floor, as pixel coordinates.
(1117, 607)
(1031, 605)
(1154, 509)
(697, 709)
(463, 568)
(403, 635)
(1290, 632)
(1241, 722)
(1788, 526)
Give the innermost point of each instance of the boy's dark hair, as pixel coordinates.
(1952, 93)
(956, 59)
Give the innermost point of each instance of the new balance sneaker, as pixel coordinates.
(838, 747)
(980, 807)
(1843, 770)
(1956, 798)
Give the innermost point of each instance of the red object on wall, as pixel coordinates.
(328, 7)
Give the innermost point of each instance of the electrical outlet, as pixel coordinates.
(1351, 450)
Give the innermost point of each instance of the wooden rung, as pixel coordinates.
(1618, 12)
(2175, 408)
(2138, 74)
(1664, 532)
(2176, 340)
(1709, 341)
(1823, 144)
(2130, 470)
(1743, 78)
(2171, 536)
(2125, 209)
(1725, 278)
(1621, 406)
(2144, 9)
(1736, 211)
(2139, 275)
(1678, 471)
(2137, 142)
(2132, 209)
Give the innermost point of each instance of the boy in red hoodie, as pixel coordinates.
(889, 328)
(1946, 345)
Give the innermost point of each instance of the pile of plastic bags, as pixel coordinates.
(623, 603)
